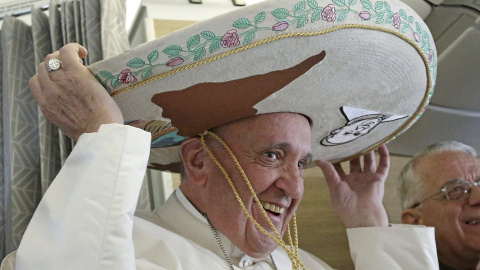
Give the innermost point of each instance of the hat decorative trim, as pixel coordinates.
(196, 48)
(148, 70)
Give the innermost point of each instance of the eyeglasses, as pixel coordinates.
(453, 190)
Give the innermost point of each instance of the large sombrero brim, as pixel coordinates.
(362, 71)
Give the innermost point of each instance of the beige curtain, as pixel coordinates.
(21, 164)
(32, 150)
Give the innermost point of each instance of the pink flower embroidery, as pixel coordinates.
(364, 15)
(174, 61)
(430, 55)
(328, 13)
(126, 77)
(280, 26)
(396, 21)
(230, 39)
(416, 36)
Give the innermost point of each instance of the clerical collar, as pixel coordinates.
(189, 206)
(235, 251)
(179, 201)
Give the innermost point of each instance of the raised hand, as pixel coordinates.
(357, 196)
(70, 96)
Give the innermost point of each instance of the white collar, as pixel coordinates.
(235, 252)
(189, 206)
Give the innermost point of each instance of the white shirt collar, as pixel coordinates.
(189, 206)
(235, 252)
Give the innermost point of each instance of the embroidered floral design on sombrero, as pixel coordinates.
(244, 32)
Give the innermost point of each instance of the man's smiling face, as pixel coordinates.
(457, 223)
(273, 150)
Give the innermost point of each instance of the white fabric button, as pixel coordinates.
(245, 261)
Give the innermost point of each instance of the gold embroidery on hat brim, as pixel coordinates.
(408, 123)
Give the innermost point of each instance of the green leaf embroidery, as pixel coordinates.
(419, 28)
(403, 14)
(248, 38)
(380, 16)
(352, 2)
(208, 35)
(389, 17)
(410, 19)
(242, 23)
(387, 6)
(214, 45)
(302, 20)
(114, 82)
(342, 15)
(105, 74)
(299, 7)
(367, 4)
(260, 17)
(152, 56)
(280, 13)
(378, 5)
(193, 41)
(147, 73)
(316, 15)
(312, 4)
(173, 50)
(136, 63)
(199, 53)
(340, 3)
(404, 27)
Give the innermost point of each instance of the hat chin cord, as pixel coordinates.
(292, 252)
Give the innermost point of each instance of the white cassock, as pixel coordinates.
(86, 221)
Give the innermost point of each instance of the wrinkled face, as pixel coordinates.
(457, 223)
(273, 150)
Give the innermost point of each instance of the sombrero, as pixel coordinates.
(362, 71)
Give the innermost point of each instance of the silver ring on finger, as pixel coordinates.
(54, 64)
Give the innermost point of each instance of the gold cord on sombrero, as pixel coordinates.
(292, 252)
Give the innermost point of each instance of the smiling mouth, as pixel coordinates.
(275, 209)
(472, 222)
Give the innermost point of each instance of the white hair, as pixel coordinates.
(410, 187)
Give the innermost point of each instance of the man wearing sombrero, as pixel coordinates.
(242, 102)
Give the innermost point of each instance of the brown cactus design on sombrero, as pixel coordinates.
(206, 105)
(359, 123)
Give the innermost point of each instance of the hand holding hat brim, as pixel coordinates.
(357, 196)
(71, 97)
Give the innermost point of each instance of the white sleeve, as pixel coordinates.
(84, 221)
(398, 247)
